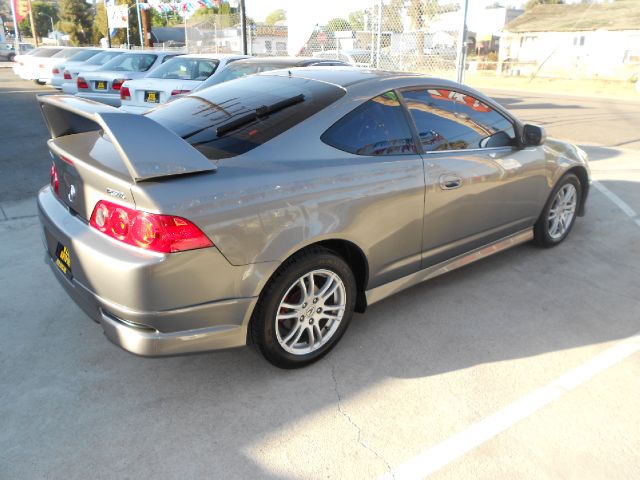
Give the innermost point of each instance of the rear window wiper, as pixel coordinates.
(261, 111)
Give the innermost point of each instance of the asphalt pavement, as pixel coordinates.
(524, 365)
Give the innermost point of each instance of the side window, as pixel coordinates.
(168, 57)
(377, 127)
(450, 120)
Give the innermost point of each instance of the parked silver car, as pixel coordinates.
(70, 71)
(103, 85)
(270, 208)
(58, 76)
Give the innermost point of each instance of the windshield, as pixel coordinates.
(236, 117)
(131, 62)
(185, 69)
(83, 55)
(103, 57)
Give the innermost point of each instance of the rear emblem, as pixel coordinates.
(115, 193)
(72, 194)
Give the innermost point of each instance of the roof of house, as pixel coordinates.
(620, 15)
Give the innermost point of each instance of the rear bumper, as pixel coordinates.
(149, 343)
(69, 88)
(112, 99)
(151, 304)
(57, 81)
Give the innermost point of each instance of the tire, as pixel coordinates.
(293, 328)
(11, 57)
(559, 213)
(38, 82)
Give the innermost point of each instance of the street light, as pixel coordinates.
(52, 30)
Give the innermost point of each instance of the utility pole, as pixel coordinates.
(146, 26)
(140, 34)
(243, 26)
(462, 45)
(16, 32)
(33, 25)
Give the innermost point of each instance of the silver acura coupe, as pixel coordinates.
(268, 209)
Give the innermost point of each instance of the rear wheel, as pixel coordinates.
(559, 213)
(304, 310)
(11, 57)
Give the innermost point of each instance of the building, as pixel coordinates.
(574, 41)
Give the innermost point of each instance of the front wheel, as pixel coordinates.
(559, 213)
(304, 310)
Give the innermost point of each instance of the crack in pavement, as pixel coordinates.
(354, 424)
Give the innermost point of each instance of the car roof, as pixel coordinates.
(347, 51)
(284, 61)
(153, 52)
(342, 76)
(214, 56)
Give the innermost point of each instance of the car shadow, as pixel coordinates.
(521, 303)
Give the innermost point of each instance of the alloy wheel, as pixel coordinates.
(562, 211)
(310, 312)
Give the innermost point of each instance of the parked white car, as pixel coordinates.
(41, 71)
(70, 72)
(57, 73)
(178, 76)
(24, 64)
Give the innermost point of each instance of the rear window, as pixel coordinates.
(185, 69)
(66, 53)
(131, 62)
(46, 52)
(220, 122)
(239, 70)
(102, 58)
(83, 55)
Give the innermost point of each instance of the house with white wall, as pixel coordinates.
(597, 41)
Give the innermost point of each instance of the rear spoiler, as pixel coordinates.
(148, 150)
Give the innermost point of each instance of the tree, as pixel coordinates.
(42, 12)
(120, 38)
(100, 26)
(75, 20)
(532, 3)
(275, 16)
(337, 24)
(356, 20)
(420, 12)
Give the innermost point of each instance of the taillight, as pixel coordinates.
(125, 94)
(179, 92)
(81, 83)
(158, 233)
(55, 71)
(116, 84)
(66, 75)
(54, 178)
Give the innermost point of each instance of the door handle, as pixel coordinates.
(449, 182)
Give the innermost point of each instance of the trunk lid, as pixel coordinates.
(100, 152)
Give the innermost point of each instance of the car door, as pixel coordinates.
(480, 186)
(391, 182)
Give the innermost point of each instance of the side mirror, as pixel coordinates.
(533, 135)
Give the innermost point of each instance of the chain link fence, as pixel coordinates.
(406, 35)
